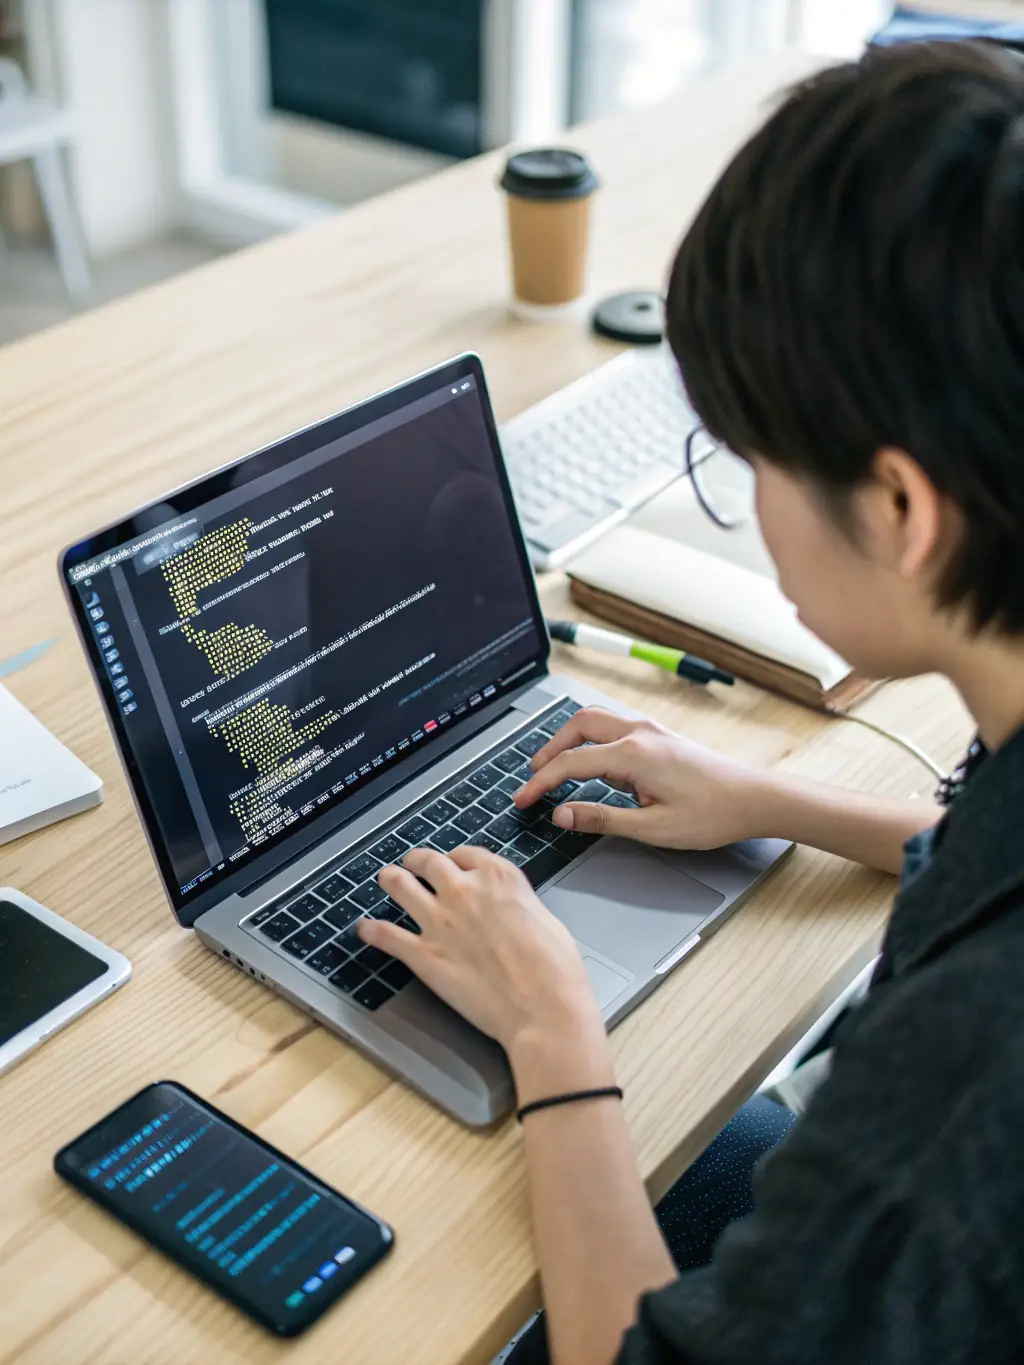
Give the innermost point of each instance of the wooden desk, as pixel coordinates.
(107, 411)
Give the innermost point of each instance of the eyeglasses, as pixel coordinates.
(722, 482)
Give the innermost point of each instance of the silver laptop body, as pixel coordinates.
(332, 650)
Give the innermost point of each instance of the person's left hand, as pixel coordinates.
(488, 946)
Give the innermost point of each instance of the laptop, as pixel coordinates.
(331, 651)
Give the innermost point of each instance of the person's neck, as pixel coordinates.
(988, 672)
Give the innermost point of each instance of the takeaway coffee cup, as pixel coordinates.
(549, 192)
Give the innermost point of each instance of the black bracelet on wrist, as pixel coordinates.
(573, 1097)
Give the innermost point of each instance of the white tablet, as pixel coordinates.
(50, 973)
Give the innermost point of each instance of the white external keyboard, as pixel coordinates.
(582, 460)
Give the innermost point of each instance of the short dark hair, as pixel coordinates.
(855, 280)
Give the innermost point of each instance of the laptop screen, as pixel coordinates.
(275, 638)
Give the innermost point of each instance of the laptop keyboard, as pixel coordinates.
(316, 924)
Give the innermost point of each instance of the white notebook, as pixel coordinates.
(41, 780)
(671, 564)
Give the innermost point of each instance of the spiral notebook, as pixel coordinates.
(671, 576)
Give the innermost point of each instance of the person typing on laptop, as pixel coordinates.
(846, 312)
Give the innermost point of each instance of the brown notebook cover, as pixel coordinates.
(663, 630)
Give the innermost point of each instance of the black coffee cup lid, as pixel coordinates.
(548, 173)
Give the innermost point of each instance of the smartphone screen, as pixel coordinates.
(238, 1214)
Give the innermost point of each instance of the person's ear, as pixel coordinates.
(913, 509)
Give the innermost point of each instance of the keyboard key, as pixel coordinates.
(622, 800)
(367, 895)
(513, 855)
(560, 717)
(396, 975)
(374, 959)
(573, 844)
(334, 888)
(327, 959)
(389, 911)
(310, 936)
(504, 828)
(360, 868)
(532, 743)
(545, 866)
(463, 795)
(416, 830)
(483, 840)
(496, 800)
(341, 916)
(485, 777)
(440, 812)
(374, 994)
(472, 819)
(562, 793)
(260, 917)
(509, 761)
(592, 791)
(407, 922)
(279, 927)
(390, 849)
(447, 838)
(350, 940)
(305, 907)
(545, 830)
(508, 785)
(527, 844)
(350, 977)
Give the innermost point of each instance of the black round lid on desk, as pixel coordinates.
(637, 317)
(548, 173)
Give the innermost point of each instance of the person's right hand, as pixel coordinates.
(690, 797)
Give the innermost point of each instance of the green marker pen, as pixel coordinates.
(611, 642)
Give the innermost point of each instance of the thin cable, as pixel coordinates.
(901, 740)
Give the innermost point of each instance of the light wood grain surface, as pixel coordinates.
(105, 412)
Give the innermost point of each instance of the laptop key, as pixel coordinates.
(306, 907)
(545, 866)
(622, 800)
(513, 855)
(407, 922)
(509, 761)
(341, 916)
(561, 717)
(360, 868)
(592, 791)
(508, 785)
(334, 887)
(562, 793)
(472, 819)
(309, 937)
(573, 844)
(440, 812)
(350, 940)
(485, 777)
(389, 911)
(527, 844)
(415, 830)
(260, 917)
(374, 994)
(463, 795)
(350, 977)
(484, 840)
(447, 838)
(396, 975)
(368, 895)
(279, 927)
(545, 831)
(327, 959)
(495, 801)
(374, 959)
(390, 849)
(504, 828)
(532, 743)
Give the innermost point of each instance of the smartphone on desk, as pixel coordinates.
(238, 1214)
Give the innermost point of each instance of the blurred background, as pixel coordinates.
(141, 137)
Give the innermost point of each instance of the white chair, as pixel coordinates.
(31, 128)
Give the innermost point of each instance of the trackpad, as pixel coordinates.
(630, 905)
